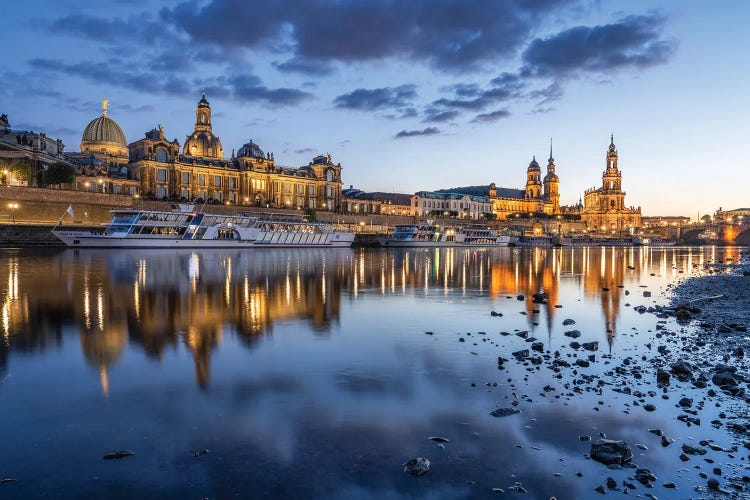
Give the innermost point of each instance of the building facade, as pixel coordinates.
(604, 208)
(462, 206)
(34, 150)
(539, 196)
(356, 201)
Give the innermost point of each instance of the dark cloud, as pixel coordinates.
(111, 30)
(634, 41)
(305, 151)
(441, 117)
(304, 66)
(242, 87)
(552, 92)
(448, 34)
(396, 98)
(491, 117)
(416, 133)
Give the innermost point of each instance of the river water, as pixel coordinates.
(309, 373)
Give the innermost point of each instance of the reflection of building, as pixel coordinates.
(604, 208)
(659, 221)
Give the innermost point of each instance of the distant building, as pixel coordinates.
(462, 206)
(357, 201)
(737, 215)
(604, 208)
(658, 221)
(34, 149)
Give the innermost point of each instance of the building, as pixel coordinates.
(604, 208)
(736, 215)
(462, 206)
(659, 221)
(32, 150)
(356, 201)
(540, 195)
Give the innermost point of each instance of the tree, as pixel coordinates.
(21, 171)
(60, 173)
(706, 219)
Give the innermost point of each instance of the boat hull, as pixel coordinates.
(89, 240)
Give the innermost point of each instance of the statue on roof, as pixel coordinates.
(328, 155)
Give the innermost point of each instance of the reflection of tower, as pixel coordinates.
(201, 343)
(102, 349)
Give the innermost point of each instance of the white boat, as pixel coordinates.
(431, 235)
(188, 229)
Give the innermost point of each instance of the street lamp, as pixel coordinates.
(13, 207)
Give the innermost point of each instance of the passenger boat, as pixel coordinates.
(185, 228)
(431, 235)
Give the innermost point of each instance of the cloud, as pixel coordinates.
(396, 98)
(139, 27)
(304, 151)
(416, 133)
(633, 41)
(447, 34)
(305, 66)
(552, 92)
(491, 117)
(441, 117)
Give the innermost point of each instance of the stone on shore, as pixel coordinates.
(609, 451)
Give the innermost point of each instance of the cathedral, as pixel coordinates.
(540, 195)
(604, 208)
(155, 167)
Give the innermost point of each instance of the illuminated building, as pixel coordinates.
(251, 177)
(463, 206)
(604, 208)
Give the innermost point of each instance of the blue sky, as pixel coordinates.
(414, 95)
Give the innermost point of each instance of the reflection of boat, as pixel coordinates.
(431, 235)
(534, 241)
(188, 229)
(653, 241)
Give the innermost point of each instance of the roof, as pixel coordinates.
(392, 198)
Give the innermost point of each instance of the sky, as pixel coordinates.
(410, 95)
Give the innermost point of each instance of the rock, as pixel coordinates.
(685, 402)
(417, 466)
(682, 369)
(662, 377)
(666, 441)
(568, 322)
(7, 480)
(713, 484)
(658, 432)
(649, 407)
(438, 439)
(575, 345)
(670, 485)
(693, 450)
(600, 489)
(609, 451)
(115, 455)
(504, 412)
(611, 483)
(647, 293)
(200, 453)
(591, 346)
(462, 339)
(724, 378)
(573, 334)
(522, 354)
(584, 438)
(644, 476)
(496, 314)
(582, 363)
(499, 491)
(539, 297)
(520, 297)
(537, 346)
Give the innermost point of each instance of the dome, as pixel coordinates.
(534, 165)
(551, 178)
(104, 135)
(203, 144)
(250, 149)
(203, 103)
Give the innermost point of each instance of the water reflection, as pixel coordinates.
(157, 301)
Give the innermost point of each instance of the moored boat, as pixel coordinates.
(431, 235)
(186, 228)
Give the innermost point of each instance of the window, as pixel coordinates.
(276, 187)
(232, 183)
(161, 192)
(161, 155)
(217, 180)
(185, 194)
(201, 180)
(232, 197)
(161, 174)
(311, 190)
(329, 175)
(117, 189)
(186, 177)
(287, 187)
(300, 189)
(217, 195)
(133, 190)
(202, 195)
(329, 191)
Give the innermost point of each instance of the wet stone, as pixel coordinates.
(591, 346)
(504, 412)
(116, 455)
(573, 334)
(609, 451)
(568, 322)
(417, 466)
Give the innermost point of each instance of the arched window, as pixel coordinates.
(612, 203)
(161, 155)
(329, 175)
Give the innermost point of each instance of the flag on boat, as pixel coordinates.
(69, 211)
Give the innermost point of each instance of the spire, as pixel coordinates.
(550, 149)
(105, 105)
(612, 139)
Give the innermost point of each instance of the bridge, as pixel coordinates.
(723, 232)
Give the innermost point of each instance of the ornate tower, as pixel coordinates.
(533, 180)
(552, 183)
(612, 196)
(202, 142)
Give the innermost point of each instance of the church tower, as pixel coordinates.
(552, 183)
(533, 180)
(612, 196)
(202, 143)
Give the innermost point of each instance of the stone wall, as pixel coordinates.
(48, 205)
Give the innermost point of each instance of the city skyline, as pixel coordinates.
(433, 95)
